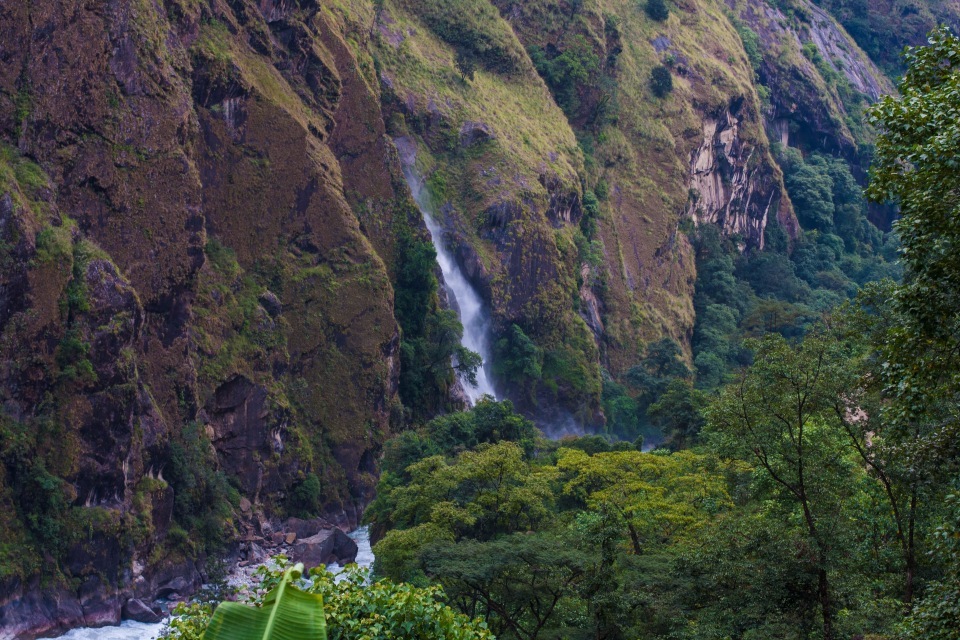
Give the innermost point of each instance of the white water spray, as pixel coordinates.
(464, 297)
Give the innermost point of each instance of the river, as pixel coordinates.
(129, 630)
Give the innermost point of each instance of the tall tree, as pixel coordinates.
(916, 166)
(779, 413)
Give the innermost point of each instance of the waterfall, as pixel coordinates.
(463, 296)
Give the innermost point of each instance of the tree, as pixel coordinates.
(657, 10)
(576, 66)
(915, 166)
(427, 372)
(661, 81)
(481, 494)
(652, 493)
(780, 413)
(811, 190)
(519, 360)
(516, 583)
(678, 413)
(466, 64)
(937, 615)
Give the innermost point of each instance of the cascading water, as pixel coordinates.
(473, 314)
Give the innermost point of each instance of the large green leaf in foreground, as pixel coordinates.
(287, 613)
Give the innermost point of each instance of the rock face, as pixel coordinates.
(187, 296)
(729, 190)
(807, 109)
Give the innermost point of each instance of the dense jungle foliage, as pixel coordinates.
(791, 473)
(804, 484)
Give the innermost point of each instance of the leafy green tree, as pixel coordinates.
(488, 421)
(575, 67)
(466, 64)
(734, 580)
(899, 447)
(781, 414)
(480, 494)
(620, 408)
(773, 275)
(519, 360)
(937, 615)
(915, 166)
(652, 493)
(810, 187)
(428, 374)
(517, 583)
(678, 413)
(304, 500)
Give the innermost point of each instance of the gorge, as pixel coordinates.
(249, 250)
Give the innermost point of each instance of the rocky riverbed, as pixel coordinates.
(138, 613)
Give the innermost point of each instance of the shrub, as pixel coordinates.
(576, 66)
(304, 501)
(661, 81)
(657, 10)
(354, 608)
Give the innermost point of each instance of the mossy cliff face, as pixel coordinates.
(819, 81)
(191, 310)
(503, 167)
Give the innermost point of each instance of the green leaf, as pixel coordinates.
(287, 613)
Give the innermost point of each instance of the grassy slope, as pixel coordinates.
(644, 155)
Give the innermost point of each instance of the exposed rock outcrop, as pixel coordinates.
(326, 547)
(807, 109)
(728, 187)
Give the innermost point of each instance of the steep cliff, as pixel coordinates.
(817, 79)
(649, 159)
(182, 269)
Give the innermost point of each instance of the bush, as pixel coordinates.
(576, 66)
(354, 609)
(657, 10)
(304, 501)
(519, 360)
(201, 493)
(661, 81)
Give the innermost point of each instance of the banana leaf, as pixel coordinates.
(287, 613)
